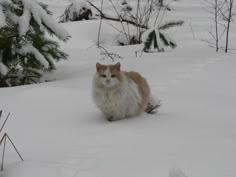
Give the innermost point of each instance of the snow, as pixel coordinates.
(2, 18)
(24, 21)
(78, 5)
(3, 69)
(176, 172)
(74, 11)
(159, 41)
(41, 17)
(168, 38)
(146, 34)
(60, 132)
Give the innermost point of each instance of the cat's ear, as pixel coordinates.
(98, 66)
(118, 66)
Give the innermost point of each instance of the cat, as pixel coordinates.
(119, 94)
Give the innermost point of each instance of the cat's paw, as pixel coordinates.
(112, 118)
(108, 117)
(153, 108)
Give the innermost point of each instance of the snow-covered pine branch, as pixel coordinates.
(35, 10)
(3, 69)
(25, 51)
(170, 24)
(29, 49)
(154, 39)
(167, 40)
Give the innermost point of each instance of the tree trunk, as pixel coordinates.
(228, 24)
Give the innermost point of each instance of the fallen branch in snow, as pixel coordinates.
(3, 140)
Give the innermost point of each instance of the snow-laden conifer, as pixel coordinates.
(25, 51)
(156, 39)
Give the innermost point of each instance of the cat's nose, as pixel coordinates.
(108, 81)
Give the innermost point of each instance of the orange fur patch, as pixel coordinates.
(143, 86)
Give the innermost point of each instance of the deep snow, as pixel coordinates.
(60, 133)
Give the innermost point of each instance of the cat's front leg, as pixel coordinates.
(118, 117)
(111, 118)
(114, 117)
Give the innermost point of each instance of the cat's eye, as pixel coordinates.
(103, 75)
(113, 75)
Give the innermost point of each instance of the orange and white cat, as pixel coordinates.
(119, 94)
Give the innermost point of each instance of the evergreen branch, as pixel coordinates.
(167, 42)
(171, 24)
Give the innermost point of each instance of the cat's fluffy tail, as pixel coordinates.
(153, 104)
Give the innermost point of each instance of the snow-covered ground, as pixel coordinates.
(60, 133)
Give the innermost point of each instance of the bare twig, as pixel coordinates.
(3, 141)
(100, 26)
(3, 152)
(108, 54)
(0, 114)
(116, 19)
(121, 21)
(230, 7)
(191, 27)
(14, 147)
(4, 122)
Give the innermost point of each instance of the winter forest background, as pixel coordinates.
(48, 51)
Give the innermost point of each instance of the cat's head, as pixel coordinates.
(108, 75)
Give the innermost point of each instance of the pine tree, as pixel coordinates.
(25, 51)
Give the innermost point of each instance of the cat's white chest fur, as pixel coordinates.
(118, 102)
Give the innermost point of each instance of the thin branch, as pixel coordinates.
(171, 24)
(3, 141)
(0, 114)
(191, 27)
(127, 36)
(222, 33)
(4, 147)
(4, 122)
(230, 7)
(117, 19)
(100, 25)
(14, 147)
